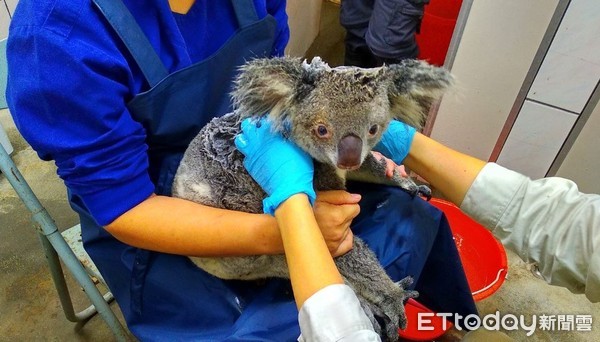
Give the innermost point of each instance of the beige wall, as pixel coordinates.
(7, 7)
(4, 20)
(497, 48)
(582, 164)
(304, 18)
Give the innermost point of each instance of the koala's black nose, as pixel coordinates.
(349, 151)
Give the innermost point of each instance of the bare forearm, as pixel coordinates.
(449, 171)
(309, 260)
(177, 226)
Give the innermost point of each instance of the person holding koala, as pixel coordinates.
(113, 92)
(546, 221)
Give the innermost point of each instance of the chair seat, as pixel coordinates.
(73, 238)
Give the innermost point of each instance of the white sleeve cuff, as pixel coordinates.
(334, 314)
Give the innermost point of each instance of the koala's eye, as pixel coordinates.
(373, 130)
(322, 131)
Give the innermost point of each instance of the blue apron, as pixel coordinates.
(165, 297)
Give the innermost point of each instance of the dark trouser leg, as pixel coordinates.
(354, 17)
(359, 56)
(391, 31)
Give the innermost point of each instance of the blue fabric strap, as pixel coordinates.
(136, 41)
(245, 12)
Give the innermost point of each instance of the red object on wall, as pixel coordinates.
(437, 27)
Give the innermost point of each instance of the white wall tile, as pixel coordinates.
(582, 163)
(565, 81)
(496, 50)
(535, 139)
(571, 68)
(579, 32)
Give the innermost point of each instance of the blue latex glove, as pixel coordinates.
(395, 141)
(280, 167)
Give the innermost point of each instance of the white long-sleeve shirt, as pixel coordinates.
(547, 221)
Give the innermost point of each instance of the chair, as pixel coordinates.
(66, 246)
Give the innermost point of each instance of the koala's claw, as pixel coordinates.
(406, 295)
(424, 191)
(392, 309)
(405, 282)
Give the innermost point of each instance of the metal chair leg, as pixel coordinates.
(57, 274)
(53, 240)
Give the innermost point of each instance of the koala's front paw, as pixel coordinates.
(394, 316)
(424, 191)
(408, 185)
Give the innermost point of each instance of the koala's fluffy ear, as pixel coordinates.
(414, 86)
(267, 86)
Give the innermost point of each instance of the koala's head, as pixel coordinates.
(338, 114)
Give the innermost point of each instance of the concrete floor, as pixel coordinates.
(29, 307)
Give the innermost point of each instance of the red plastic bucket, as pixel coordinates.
(435, 328)
(483, 257)
(484, 261)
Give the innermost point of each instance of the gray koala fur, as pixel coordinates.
(336, 115)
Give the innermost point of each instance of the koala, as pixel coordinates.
(337, 115)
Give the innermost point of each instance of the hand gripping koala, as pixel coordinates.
(336, 115)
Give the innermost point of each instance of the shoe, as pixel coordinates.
(360, 57)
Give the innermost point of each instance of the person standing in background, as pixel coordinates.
(380, 31)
